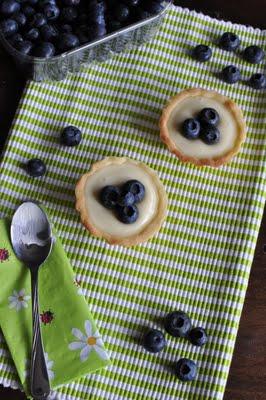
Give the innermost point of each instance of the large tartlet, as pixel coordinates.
(187, 104)
(102, 222)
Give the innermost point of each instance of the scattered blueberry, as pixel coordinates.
(191, 128)
(198, 336)
(71, 136)
(109, 196)
(210, 134)
(154, 341)
(126, 199)
(136, 188)
(258, 81)
(128, 214)
(209, 116)
(231, 74)
(202, 53)
(36, 167)
(186, 370)
(229, 41)
(177, 324)
(44, 50)
(253, 54)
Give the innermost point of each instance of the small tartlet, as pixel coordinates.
(86, 212)
(206, 96)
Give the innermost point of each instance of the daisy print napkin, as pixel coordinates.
(73, 345)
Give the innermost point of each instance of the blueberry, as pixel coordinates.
(65, 28)
(96, 13)
(186, 370)
(177, 324)
(44, 50)
(198, 336)
(48, 33)
(191, 128)
(136, 188)
(68, 14)
(132, 3)
(8, 27)
(33, 34)
(14, 39)
(28, 10)
(231, 74)
(126, 199)
(154, 341)
(229, 41)
(9, 7)
(153, 7)
(82, 35)
(96, 31)
(24, 47)
(209, 116)
(67, 41)
(114, 25)
(36, 167)
(71, 2)
(254, 54)
(128, 214)
(20, 18)
(202, 53)
(38, 20)
(71, 136)
(121, 12)
(210, 134)
(258, 81)
(51, 12)
(109, 196)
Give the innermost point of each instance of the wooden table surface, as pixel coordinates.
(247, 378)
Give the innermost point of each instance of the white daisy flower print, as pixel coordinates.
(88, 342)
(49, 366)
(18, 300)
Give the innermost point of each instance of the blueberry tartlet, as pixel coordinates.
(122, 201)
(202, 127)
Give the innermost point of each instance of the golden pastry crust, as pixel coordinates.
(228, 103)
(148, 231)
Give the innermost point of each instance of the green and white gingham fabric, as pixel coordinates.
(200, 261)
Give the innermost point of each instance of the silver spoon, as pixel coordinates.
(32, 241)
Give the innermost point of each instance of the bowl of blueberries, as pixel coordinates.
(50, 38)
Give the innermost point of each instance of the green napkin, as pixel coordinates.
(73, 346)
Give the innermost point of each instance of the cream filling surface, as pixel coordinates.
(189, 108)
(105, 219)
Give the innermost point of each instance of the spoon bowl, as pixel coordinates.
(31, 234)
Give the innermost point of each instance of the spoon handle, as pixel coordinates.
(39, 380)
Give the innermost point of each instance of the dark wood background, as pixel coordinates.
(247, 378)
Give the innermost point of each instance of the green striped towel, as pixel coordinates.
(200, 261)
